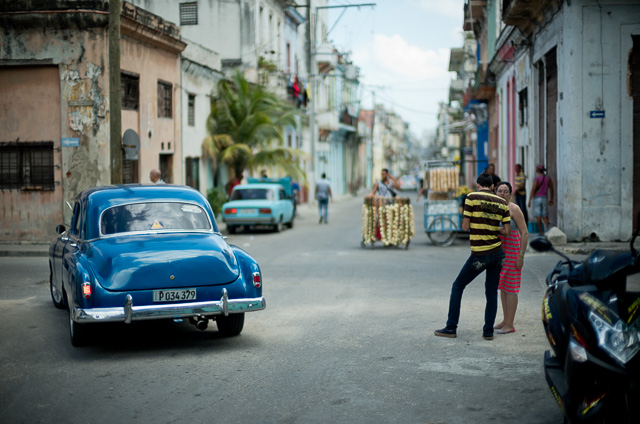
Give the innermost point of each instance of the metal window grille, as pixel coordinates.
(191, 110)
(189, 13)
(130, 89)
(26, 166)
(164, 100)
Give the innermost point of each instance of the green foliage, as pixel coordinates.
(246, 128)
(267, 64)
(217, 197)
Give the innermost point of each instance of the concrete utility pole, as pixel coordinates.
(115, 100)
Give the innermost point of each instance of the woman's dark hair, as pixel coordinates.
(507, 183)
(485, 180)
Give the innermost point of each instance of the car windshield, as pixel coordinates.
(153, 216)
(252, 194)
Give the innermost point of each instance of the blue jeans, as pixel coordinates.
(474, 266)
(323, 209)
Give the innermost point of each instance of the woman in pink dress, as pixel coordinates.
(514, 246)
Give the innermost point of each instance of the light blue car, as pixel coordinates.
(259, 204)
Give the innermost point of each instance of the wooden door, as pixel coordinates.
(552, 99)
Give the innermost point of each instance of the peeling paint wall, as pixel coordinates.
(78, 56)
(27, 215)
(596, 154)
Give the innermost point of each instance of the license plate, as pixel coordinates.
(174, 295)
(247, 211)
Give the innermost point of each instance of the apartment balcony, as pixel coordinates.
(456, 90)
(483, 88)
(526, 14)
(473, 13)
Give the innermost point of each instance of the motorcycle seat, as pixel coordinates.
(603, 264)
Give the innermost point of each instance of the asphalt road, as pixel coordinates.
(347, 337)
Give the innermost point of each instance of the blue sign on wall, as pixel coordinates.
(70, 142)
(596, 114)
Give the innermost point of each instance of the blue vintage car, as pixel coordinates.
(143, 252)
(258, 203)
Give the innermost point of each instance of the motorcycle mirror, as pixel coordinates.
(541, 244)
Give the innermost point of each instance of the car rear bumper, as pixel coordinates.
(130, 312)
(257, 220)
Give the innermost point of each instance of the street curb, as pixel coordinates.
(17, 253)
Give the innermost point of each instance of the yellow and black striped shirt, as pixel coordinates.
(486, 211)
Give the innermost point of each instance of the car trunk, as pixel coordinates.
(162, 261)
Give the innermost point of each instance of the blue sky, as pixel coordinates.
(402, 48)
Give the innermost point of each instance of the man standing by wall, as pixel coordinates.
(521, 191)
(483, 213)
(154, 176)
(541, 196)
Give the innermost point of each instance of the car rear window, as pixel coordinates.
(153, 216)
(252, 194)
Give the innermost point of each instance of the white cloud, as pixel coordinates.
(394, 56)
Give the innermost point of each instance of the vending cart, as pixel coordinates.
(442, 209)
(388, 220)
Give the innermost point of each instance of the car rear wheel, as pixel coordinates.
(290, 223)
(231, 229)
(56, 295)
(231, 325)
(77, 332)
(278, 227)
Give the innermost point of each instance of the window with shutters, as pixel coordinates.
(26, 166)
(130, 89)
(189, 13)
(191, 110)
(165, 108)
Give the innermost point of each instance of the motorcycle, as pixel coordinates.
(592, 324)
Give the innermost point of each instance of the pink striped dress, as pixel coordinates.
(510, 276)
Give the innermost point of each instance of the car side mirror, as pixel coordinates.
(541, 244)
(60, 229)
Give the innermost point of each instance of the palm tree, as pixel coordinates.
(245, 128)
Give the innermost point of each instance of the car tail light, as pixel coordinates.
(86, 290)
(231, 211)
(257, 280)
(265, 210)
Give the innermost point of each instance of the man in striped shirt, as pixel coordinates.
(483, 213)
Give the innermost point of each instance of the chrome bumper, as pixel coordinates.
(129, 312)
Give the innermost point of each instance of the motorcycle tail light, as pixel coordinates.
(231, 211)
(86, 290)
(257, 280)
(265, 211)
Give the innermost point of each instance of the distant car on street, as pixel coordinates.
(408, 182)
(143, 252)
(259, 204)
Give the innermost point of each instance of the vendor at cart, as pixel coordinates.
(385, 187)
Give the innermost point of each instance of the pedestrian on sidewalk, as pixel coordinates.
(154, 176)
(521, 192)
(514, 245)
(323, 194)
(483, 213)
(541, 195)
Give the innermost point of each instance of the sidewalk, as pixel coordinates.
(309, 209)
